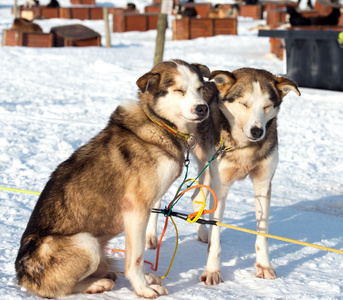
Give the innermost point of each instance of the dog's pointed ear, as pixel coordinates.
(204, 70)
(148, 82)
(224, 80)
(286, 85)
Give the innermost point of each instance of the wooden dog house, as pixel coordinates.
(134, 22)
(82, 13)
(252, 11)
(191, 28)
(27, 39)
(38, 12)
(75, 35)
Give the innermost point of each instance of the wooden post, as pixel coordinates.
(161, 30)
(15, 8)
(107, 28)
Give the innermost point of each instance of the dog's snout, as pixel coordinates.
(256, 132)
(201, 110)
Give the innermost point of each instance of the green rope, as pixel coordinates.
(183, 182)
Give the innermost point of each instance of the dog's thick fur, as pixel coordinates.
(109, 186)
(181, 11)
(222, 13)
(296, 19)
(243, 112)
(24, 25)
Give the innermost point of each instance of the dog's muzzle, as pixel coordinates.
(201, 110)
(256, 132)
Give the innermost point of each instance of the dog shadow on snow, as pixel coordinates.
(306, 221)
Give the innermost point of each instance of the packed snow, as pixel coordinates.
(54, 100)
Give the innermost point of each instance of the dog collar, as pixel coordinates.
(184, 137)
(221, 149)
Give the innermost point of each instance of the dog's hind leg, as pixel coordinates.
(262, 188)
(56, 264)
(99, 281)
(135, 224)
(151, 232)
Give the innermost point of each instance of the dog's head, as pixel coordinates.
(250, 98)
(173, 90)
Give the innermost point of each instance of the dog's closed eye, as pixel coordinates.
(180, 91)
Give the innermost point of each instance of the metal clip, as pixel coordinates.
(219, 151)
(187, 161)
(194, 142)
(188, 147)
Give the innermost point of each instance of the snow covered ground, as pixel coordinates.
(54, 100)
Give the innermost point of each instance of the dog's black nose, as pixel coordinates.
(256, 132)
(201, 110)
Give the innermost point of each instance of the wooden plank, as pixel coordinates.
(152, 9)
(252, 11)
(96, 13)
(225, 26)
(201, 8)
(200, 28)
(276, 16)
(134, 22)
(27, 39)
(190, 28)
(82, 2)
(33, 39)
(49, 12)
(276, 47)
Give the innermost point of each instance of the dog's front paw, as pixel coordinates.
(151, 241)
(203, 234)
(151, 292)
(211, 278)
(153, 279)
(100, 286)
(265, 272)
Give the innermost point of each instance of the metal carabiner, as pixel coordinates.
(188, 147)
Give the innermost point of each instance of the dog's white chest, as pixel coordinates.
(168, 170)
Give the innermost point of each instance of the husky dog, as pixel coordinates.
(24, 25)
(296, 19)
(109, 186)
(243, 117)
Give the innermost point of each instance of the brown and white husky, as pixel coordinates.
(244, 105)
(109, 186)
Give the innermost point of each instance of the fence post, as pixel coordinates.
(15, 8)
(165, 8)
(107, 28)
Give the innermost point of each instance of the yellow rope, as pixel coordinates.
(177, 243)
(222, 225)
(279, 238)
(203, 204)
(19, 191)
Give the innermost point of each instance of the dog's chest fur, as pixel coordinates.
(240, 162)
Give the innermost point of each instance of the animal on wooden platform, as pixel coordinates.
(182, 11)
(31, 3)
(221, 12)
(24, 25)
(53, 3)
(296, 19)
